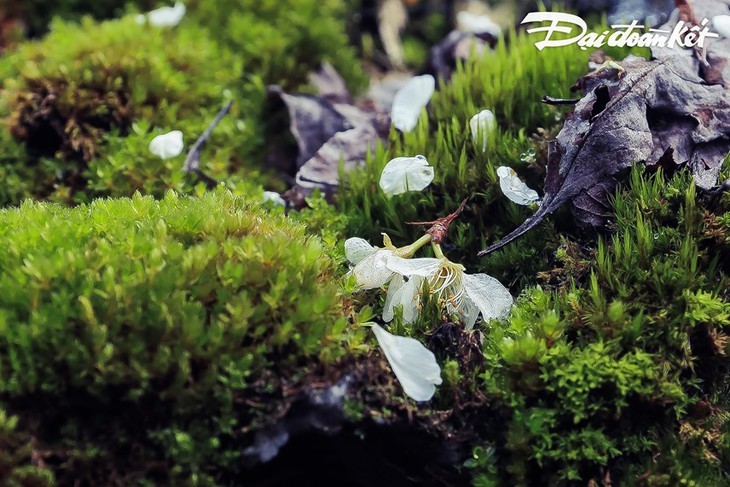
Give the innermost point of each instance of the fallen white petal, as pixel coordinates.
(356, 249)
(403, 293)
(274, 197)
(404, 174)
(372, 272)
(488, 294)
(482, 125)
(423, 267)
(167, 145)
(477, 24)
(410, 101)
(413, 364)
(164, 16)
(721, 23)
(513, 187)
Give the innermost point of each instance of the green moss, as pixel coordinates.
(629, 364)
(140, 323)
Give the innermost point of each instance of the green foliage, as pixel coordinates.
(16, 464)
(628, 365)
(139, 323)
(282, 41)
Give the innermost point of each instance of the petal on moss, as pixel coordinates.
(404, 174)
(410, 100)
(164, 16)
(167, 145)
(513, 187)
(482, 125)
(413, 364)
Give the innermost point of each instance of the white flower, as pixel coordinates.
(273, 196)
(405, 288)
(167, 145)
(477, 24)
(482, 125)
(464, 294)
(404, 174)
(370, 269)
(721, 23)
(413, 364)
(164, 16)
(513, 187)
(410, 100)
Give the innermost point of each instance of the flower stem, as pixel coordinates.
(437, 250)
(408, 251)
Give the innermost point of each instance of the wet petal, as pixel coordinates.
(356, 249)
(406, 174)
(482, 126)
(167, 145)
(423, 267)
(488, 294)
(413, 364)
(372, 272)
(513, 187)
(410, 101)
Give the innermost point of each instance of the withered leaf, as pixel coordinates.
(658, 109)
(329, 129)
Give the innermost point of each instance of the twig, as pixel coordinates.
(439, 228)
(192, 161)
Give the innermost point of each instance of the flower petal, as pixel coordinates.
(167, 145)
(410, 100)
(164, 16)
(372, 272)
(423, 267)
(513, 187)
(721, 23)
(477, 24)
(413, 364)
(356, 249)
(488, 294)
(404, 174)
(403, 293)
(274, 197)
(482, 125)
(467, 312)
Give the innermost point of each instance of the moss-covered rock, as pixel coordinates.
(133, 332)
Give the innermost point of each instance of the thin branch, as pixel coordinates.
(192, 161)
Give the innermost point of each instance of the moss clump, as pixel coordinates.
(282, 41)
(17, 466)
(132, 330)
(63, 93)
(624, 374)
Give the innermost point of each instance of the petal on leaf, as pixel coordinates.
(413, 364)
(488, 294)
(404, 174)
(410, 101)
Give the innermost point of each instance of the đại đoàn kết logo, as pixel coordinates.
(632, 35)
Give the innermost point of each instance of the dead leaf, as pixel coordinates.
(330, 130)
(657, 109)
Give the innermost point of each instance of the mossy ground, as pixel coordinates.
(145, 339)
